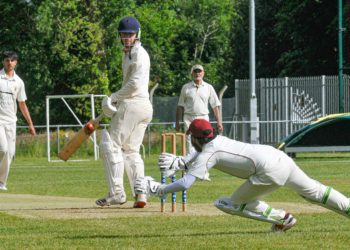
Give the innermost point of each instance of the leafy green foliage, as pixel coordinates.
(73, 47)
(75, 38)
(305, 28)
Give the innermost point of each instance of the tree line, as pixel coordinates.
(72, 46)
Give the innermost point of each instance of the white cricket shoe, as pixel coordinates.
(3, 187)
(288, 222)
(141, 201)
(117, 199)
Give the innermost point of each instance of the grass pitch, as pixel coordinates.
(51, 206)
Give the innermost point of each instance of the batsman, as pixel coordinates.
(265, 169)
(130, 111)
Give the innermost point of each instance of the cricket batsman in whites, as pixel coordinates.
(265, 169)
(130, 111)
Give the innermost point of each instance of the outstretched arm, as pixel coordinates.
(148, 186)
(180, 185)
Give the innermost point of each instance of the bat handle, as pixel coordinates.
(99, 118)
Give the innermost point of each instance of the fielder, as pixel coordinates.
(131, 111)
(265, 168)
(193, 103)
(12, 90)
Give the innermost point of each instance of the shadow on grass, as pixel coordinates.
(172, 236)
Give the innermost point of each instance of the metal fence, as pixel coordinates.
(287, 104)
(284, 106)
(164, 109)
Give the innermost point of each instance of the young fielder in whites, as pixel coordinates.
(131, 111)
(265, 168)
(11, 91)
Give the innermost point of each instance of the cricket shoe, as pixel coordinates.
(288, 222)
(117, 199)
(3, 187)
(141, 201)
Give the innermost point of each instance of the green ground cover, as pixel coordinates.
(35, 176)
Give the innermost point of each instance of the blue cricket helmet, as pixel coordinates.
(129, 25)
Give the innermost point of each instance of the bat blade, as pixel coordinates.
(82, 135)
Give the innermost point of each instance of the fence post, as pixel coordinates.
(288, 101)
(323, 95)
(221, 93)
(48, 128)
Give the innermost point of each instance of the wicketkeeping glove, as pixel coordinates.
(146, 185)
(168, 164)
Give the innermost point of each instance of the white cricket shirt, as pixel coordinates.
(195, 98)
(11, 91)
(136, 68)
(261, 164)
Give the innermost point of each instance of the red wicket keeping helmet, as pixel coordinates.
(201, 128)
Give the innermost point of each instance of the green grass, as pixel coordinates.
(219, 232)
(86, 179)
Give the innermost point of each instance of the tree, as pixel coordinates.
(202, 38)
(308, 31)
(73, 47)
(72, 35)
(18, 33)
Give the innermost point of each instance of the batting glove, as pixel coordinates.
(108, 108)
(168, 164)
(148, 186)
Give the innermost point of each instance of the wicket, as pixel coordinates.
(173, 139)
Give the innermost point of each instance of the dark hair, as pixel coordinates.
(10, 54)
(206, 140)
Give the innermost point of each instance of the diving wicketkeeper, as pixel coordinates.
(265, 168)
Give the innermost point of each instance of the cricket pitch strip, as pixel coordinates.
(58, 207)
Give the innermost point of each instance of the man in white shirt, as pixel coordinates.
(12, 90)
(265, 169)
(193, 102)
(130, 114)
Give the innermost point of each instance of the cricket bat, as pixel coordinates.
(82, 135)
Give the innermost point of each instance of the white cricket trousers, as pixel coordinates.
(187, 121)
(7, 149)
(298, 181)
(127, 130)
